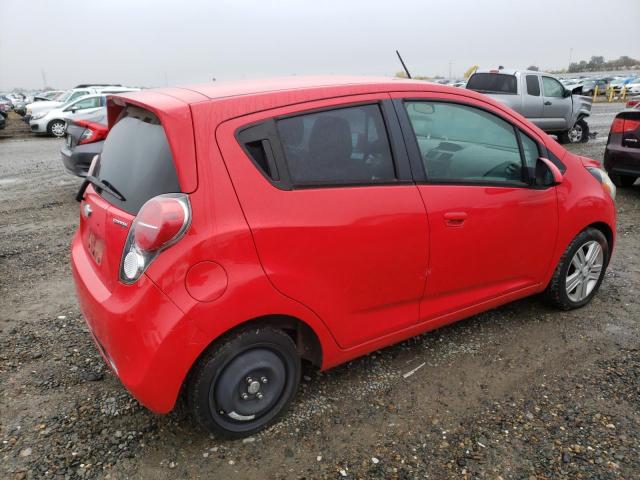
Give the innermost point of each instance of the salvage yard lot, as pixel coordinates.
(523, 391)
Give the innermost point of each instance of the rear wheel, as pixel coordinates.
(56, 128)
(623, 180)
(580, 271)
(245, 383)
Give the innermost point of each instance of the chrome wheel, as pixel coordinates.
(57, 129)
(584, 271)
(575, 134)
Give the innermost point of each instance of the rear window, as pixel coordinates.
(137, 161)
(493, 83)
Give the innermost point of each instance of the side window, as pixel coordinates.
(459, 143)
(76, 95)
(93, 102)
(342, 146)
(533, 85)
(552, 87)
(530, 150)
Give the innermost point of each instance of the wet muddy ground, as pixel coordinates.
(523, 391)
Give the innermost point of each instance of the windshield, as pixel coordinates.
(137, 161)
(64, 96)
(493, 83)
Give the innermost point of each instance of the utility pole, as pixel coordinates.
(570, 55)
(450, 63)
(44, 78)
(166, 80)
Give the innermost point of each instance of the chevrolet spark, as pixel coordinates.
(230, 231)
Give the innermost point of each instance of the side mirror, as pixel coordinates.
(567, 93)
(547, 174)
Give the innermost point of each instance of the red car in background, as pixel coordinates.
(228, 231)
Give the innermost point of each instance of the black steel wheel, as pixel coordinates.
(244, 383)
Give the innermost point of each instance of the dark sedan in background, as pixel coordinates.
(622, 155)
(83, 141)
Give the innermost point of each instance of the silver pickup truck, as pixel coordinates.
(540, 97)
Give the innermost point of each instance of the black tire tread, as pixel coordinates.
(217, 350)
(554, 293)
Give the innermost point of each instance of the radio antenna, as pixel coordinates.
(406, 70)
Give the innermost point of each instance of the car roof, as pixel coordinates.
(509, 71)
(238, 88)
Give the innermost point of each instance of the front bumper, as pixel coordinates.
(139, 331)
(38, 126)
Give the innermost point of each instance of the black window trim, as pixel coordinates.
(415, 157)
(397, 147)
(485, 92)
(526, 82)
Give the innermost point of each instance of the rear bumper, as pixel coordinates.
(622, 160)
(139, 331)
(77, 160)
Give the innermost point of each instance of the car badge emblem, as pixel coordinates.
(117, 221)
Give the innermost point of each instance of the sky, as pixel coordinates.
(173, 42)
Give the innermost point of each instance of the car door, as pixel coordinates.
(557, 107)
(83, 107)
(337, 221)
(491, 233)
(532, 99)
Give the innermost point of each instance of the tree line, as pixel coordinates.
(599, 64)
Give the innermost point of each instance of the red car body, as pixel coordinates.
(355, 268)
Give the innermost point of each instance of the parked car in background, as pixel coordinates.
(540, 97)
(53, 121)
(633, 87)
(618, 83)
(48, 95)
(633, 101)
(84, 137)
(589, 87)
(5, 105)
(325, 218)
(71, 95)
(622, 154)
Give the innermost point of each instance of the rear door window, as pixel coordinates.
(137, 161)
(340, 146)
(533, 85)
(493, 83)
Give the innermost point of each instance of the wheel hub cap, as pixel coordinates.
(584, 271)
(254, 387)
(249, 385)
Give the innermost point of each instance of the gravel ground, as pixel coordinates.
(521, 392)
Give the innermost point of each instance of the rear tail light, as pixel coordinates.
(94, 132)
(624, 125)
(632, 103)
(161, 222)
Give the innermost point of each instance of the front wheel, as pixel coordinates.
(245, 383)
(56, 128)
(579, 133)
(580, 271)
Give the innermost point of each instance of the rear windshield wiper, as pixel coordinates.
(102, 184)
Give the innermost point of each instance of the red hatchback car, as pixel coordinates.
(229, 231)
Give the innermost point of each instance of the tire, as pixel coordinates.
(579, 133)
(623, 180)
(561, 295)
(56, 128)
(245, 382)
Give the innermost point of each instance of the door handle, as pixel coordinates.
(455, 219)
(548, 103)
